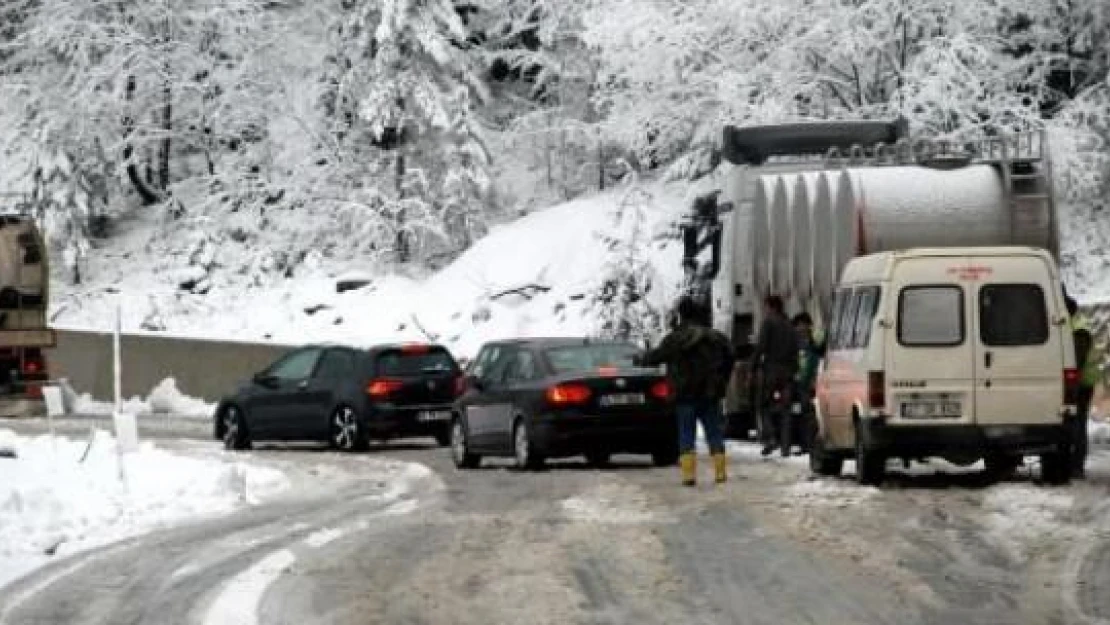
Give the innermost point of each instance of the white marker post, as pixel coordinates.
(127, 436)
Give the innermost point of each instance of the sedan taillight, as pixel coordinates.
(661, 390)
(568, 394)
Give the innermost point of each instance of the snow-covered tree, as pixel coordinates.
(626, 301)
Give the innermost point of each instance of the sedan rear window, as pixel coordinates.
(402, 364)
(1012, 315)
(931, 316)
(575, 358)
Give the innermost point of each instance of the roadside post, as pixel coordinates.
(126, 430)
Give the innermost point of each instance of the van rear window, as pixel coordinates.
(1012, 315)
(931, 316)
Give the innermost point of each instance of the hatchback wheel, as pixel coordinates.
(460, 447)
(236, 436)
(821, 462)
(523, 450)
(346, 430)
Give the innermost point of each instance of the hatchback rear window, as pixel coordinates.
(404, 364)
(1012, 315)
(931, 316)
(575, 358)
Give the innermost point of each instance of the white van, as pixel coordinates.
(962, 353)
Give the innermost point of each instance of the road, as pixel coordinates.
(579, 545)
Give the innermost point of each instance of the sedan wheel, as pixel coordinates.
(346, 431)
(526, 457)
(460, 447)
(236, 436)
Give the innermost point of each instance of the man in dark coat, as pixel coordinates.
(699, 363)
(776, 360)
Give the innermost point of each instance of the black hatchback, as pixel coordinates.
(535, 399)
(344, 396)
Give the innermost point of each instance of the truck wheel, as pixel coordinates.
(1056, 468)
(870, 463)
(1001, 466)
(821, 462)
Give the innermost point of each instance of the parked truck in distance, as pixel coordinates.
(24, 334)
(802, 200)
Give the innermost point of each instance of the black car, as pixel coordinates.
(535, 399)
(344, 396)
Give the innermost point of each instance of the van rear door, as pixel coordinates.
(930, 356)
(1019, 369)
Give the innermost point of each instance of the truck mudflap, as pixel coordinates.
(961, 440)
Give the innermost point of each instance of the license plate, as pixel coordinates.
(622, 399)
(433, 415)
(932, 410)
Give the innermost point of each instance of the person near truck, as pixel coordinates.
(1087, 361)
(699, 363)
(776, 360)
(810, 353)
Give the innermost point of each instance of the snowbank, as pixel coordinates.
(52, 502)
(534, 276)
(165, 398)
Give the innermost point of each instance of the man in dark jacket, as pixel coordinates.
(699, 363)
(776, 360)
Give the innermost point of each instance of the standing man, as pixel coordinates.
(776, 360)
(699, 363)
(810, 353)
(1087, 361)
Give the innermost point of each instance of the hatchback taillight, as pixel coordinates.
(460, 386)
(876, 390)
(382, 388)
(568, 394)
(1071, 386)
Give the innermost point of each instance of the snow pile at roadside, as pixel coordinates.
(535, 276)
(53, 503)
(164, 398)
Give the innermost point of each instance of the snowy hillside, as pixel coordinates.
(540, 275)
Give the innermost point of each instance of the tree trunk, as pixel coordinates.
(167, 141)
(134, 173)
(402, 242)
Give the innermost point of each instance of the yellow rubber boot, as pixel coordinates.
(688, 463)
(720, 468)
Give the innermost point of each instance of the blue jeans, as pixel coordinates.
(708, 411)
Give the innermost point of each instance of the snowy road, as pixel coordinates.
(574, 545)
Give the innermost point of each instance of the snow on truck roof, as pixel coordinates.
(878, 265)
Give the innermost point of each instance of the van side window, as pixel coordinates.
(1012, 315)
(931, 316)
(841, 310)
(867, 304)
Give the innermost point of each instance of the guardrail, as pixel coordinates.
(203, 368)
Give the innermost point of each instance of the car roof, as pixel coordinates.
(373, 348)
(540, 342)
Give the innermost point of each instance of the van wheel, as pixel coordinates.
(870, 463)
(1056, 468)
(821, 462)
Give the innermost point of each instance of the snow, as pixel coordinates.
(611, 503)
(164, 398)
(56, 500)
(465, 304)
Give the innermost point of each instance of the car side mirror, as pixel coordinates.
(263, 378)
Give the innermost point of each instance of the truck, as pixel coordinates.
(801, 200)
(24, 333)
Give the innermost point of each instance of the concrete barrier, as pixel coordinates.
(205, 369)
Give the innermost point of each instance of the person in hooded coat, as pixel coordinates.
(699, 364)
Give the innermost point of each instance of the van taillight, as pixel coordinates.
(566, 394)
(661, 390)
(1071, 386)
(876, 390)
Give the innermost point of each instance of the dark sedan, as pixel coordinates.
(344, 396)
(553, 398)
